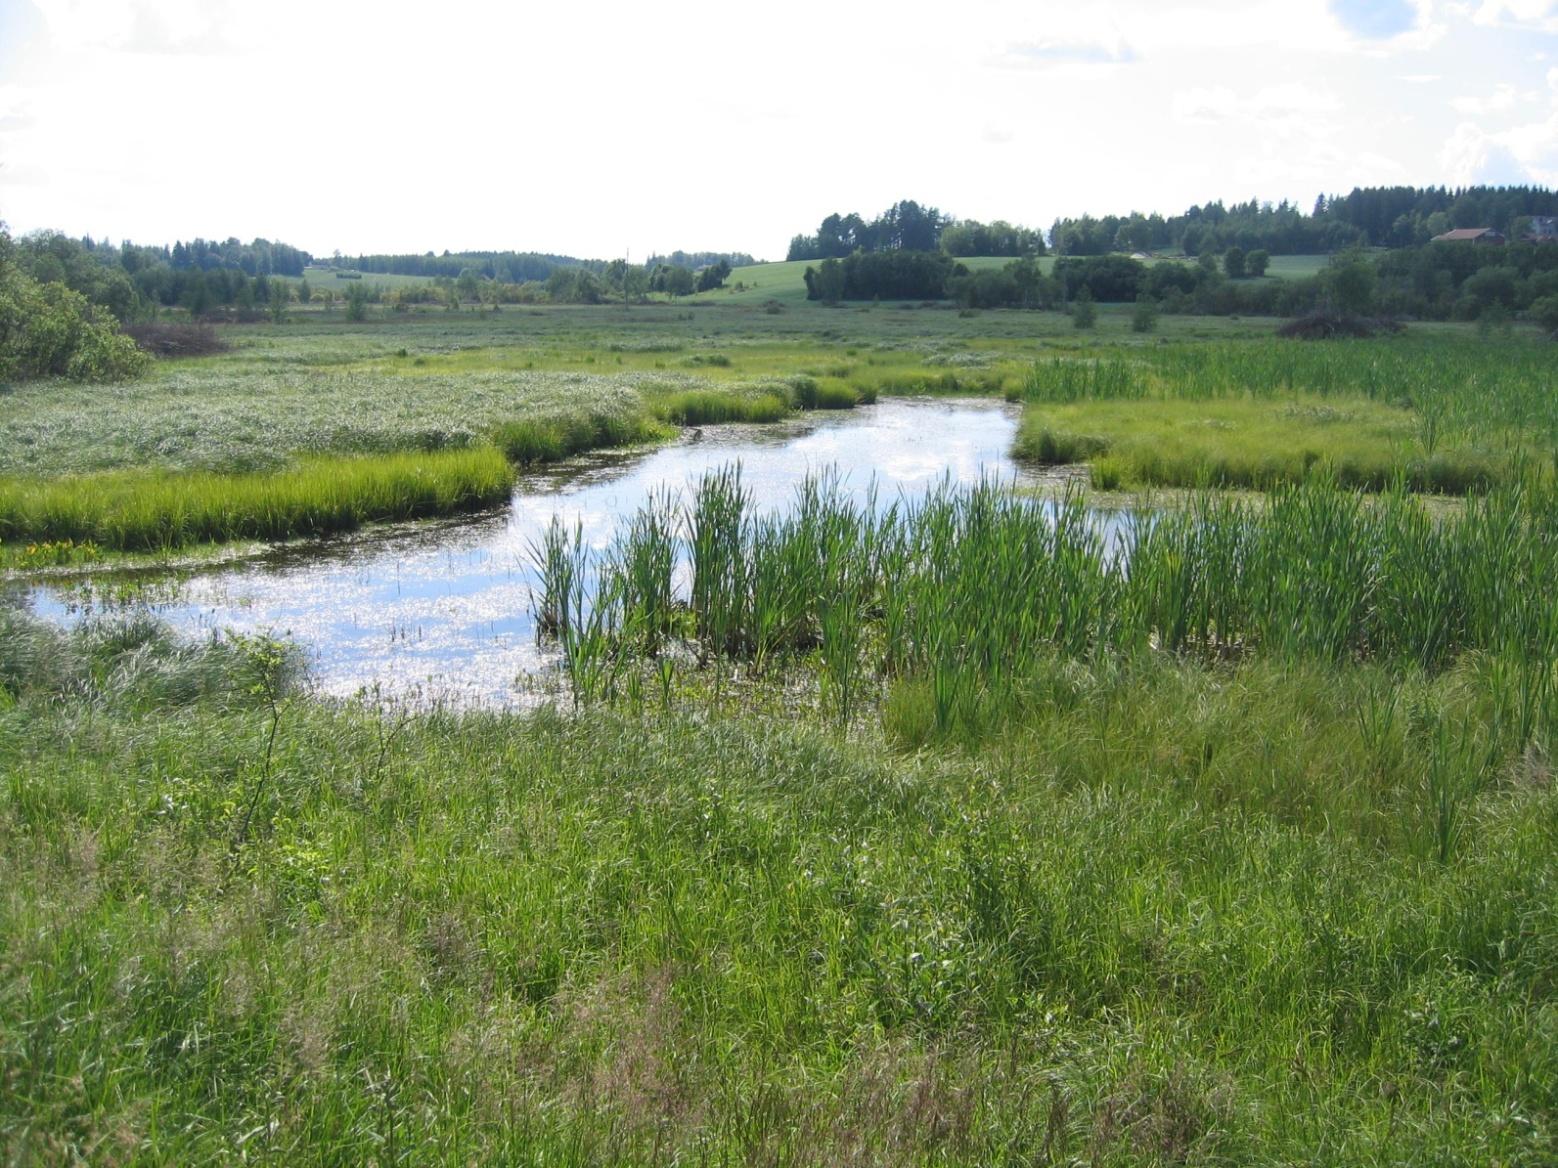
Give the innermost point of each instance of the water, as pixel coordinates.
(443, 610)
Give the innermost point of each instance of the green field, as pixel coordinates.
(785, 282)
(781, 281)
(320, 279)
(952, 834)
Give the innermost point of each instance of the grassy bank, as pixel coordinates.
(1251, 443)
(1167, 915)
(1437, 414)
(139, 511)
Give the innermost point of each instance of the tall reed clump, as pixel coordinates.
(142, 511)
(579, 608)
(961, 592)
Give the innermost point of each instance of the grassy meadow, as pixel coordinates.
(972, 832)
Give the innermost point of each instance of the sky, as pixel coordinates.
(606, 129)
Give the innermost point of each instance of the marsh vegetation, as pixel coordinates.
(973, 827)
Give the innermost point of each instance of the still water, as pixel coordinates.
(443, 610)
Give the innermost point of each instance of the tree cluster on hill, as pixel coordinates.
(905, 226)
(1440, 281)
(1375, 216)
(1402, 216)
(969, 237)
(888, 275)
(507, 267)
(519, 267)
(1462, 281)
(259, 257)
(694, 260)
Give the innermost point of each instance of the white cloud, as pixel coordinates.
(1502, 98)
(1535, 15)
(1050, 51)
(1287, 102)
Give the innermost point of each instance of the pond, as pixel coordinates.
(442, 611)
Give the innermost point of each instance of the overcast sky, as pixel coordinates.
(596, 129)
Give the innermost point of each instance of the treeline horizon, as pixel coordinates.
(1390, 217)
(1398, 216)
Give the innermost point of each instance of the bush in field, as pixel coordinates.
(1322, 325)
(1144, 317)
(46, 330)
(1084, 313)
(168, 339)
(1545, 313)
(357, 303)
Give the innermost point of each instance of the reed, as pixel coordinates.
(967, 587)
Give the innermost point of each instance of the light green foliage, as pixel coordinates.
(980, 582)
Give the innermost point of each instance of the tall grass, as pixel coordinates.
(1159, 914)
(552, 438)
(1466, 412)
(967, 587)
(127, 510)
(705, 407)
(1253, 444)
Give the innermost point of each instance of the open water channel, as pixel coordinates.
(442, 611)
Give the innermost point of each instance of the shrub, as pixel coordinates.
(176, 339)
(46, 330)
(1326, 325)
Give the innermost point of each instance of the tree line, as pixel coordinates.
(1367, 216)
(519, 267)
(1437, 281)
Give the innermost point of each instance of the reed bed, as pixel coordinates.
(1455, 392)
(137, 511)
(1257, 444)
(968, 587)
(1437, 417)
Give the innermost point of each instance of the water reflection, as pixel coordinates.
(443, 610)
